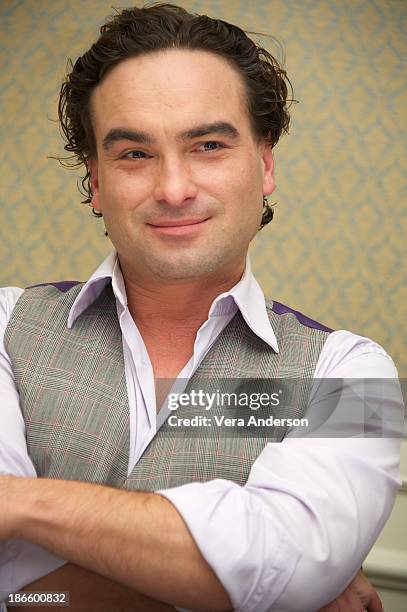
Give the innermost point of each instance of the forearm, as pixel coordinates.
(90, 591)
(137, 539)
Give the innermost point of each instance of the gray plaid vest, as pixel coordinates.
(74, 399)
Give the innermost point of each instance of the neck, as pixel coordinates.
(183, 304)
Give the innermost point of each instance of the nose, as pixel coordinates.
(174, 184)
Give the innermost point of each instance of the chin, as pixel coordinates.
(184, 268)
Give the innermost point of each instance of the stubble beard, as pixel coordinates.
(189, 264)
(214, 256)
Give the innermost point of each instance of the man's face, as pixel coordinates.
(179, 176)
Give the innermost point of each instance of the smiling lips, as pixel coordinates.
(178, 226)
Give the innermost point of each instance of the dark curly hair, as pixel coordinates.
(155, 27)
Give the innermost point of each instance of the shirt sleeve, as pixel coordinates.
(20, 562)
(295, 535)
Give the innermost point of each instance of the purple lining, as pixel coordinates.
(62, 286)
(282, 309)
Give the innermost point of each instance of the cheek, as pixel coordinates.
(120, 190)
(250, 185)
(251, 201)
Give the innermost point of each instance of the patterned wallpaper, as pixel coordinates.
(336, 249)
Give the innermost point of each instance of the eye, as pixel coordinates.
(211, 145)
(135, 155)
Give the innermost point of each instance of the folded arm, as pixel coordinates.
(266, 542)
(137, 539)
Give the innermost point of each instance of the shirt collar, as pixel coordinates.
(108, 271)
(249, 299)
(246, 295)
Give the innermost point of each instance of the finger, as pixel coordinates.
(374, 604)
(354, 603)
(367, 593)
(347, 602)
(331, 607)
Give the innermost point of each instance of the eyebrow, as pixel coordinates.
(217, 127)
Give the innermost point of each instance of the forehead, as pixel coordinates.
(169, 90)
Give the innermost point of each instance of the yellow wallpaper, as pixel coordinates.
(336, 249)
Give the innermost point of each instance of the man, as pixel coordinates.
(175, 117)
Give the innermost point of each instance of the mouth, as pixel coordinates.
(178, 227)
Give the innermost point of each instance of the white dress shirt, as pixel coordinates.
(295, 534)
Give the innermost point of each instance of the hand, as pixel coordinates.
(358, 597)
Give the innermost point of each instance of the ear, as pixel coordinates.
(268, 169)
(92, 165)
